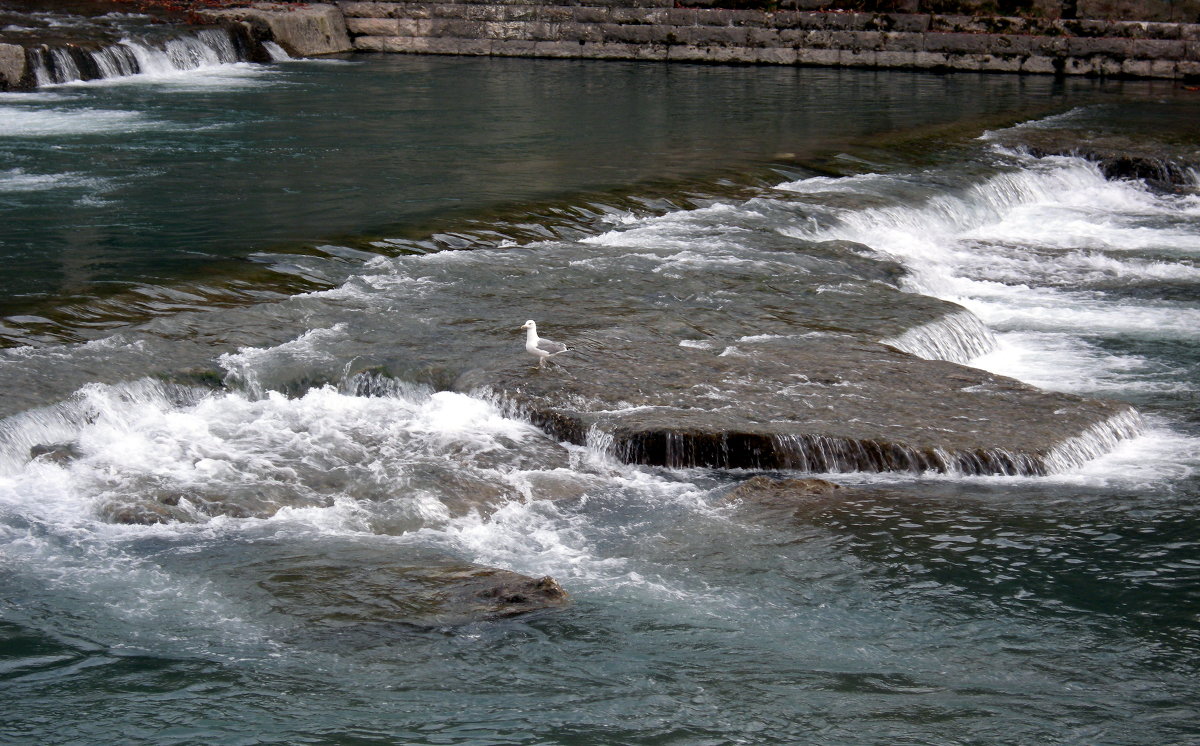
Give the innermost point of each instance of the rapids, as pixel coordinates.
(244, 458)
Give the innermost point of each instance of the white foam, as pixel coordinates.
(247, 366)
(20, 121)
(1062, 361)
(19, 180)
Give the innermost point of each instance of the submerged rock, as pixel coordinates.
(334, 592)
(56, 453)
(766, 489)
(813, 403)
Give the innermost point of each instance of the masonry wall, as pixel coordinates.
(655, 30)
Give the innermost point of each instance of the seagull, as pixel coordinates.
(538, 347)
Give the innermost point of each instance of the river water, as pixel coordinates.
(237, 299)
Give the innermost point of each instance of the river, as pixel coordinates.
(237, 299)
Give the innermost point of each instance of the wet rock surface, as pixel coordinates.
(1162, 164)
(343, 593)
(814, 403)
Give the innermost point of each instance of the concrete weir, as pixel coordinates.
(659, 30)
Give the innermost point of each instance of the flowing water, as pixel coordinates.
(238, 301)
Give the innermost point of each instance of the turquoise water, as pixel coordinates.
(292, 229)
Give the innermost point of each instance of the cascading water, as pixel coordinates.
(205, 48)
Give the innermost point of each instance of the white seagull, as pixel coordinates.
(538, 347)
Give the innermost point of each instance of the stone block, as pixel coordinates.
(711, 17)
(896, 59)
(1178, 11)
(817, 56)
(748, 18)
(419, 45)
(776, 56)
(735, 55)
(632, 34)
(1188, 69)
(1164, 68)
(1080, 66)
(971, 62)
(681, 17)
(651, 52)
(1163, 30)
(588, 14)
(810, 20)
(503, 29)
(904, 22)
(463, 29)
(1191, 50)
(717, 36)
(651, 16)
(845, 21)
(379, 27)
(14, 70)
(687, 53)
(1112, 46)
(1136, 69)
(1009, 44)
(902, 42)
(931, 60)
(1039, 64)
(1048, 46)
(763, 38)
(858, 40)
(857, 57)
(783, 19)
(459, 10)
(514, 47)
(818, 40)
(557, 49)
(1000, 63)
(607, 51)
(954, 24)
(1158, 49)
(381, 10)
(796, 37)
(543, 31)
(580, 32)
(957, 43)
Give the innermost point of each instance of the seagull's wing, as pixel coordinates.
(551, 348)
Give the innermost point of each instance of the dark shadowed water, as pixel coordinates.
(339, 243)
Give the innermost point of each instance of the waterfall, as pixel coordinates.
(201, 49)
(957, 338)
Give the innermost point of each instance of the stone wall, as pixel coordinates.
(655, 30)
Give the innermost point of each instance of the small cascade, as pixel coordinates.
(956, 338)
(820, 454)
(202, 49)
(1096, 441)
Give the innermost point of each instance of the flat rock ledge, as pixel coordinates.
(811, 404)
(302, 30)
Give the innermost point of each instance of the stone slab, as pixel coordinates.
(13, 67)
(302, 30)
